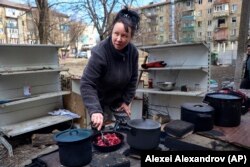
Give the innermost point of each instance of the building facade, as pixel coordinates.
(215, 22)
(13, 25)
(155, 24)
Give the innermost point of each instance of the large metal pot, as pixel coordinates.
(75, 147)
(227, 108)
(144, 134)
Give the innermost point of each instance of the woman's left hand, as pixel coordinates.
(124, 107)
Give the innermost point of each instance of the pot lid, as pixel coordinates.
(223, 96)
(73, 135)
(144, 124)
(197, 107)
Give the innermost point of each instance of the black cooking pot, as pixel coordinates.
(200, 114)
(144, 134)
(227, 108)
(75, 147)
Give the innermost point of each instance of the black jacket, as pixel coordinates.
(246, 70)
(110, 76)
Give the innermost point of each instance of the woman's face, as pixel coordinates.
(248, 50)
(120, 38)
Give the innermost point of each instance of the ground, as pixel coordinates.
(218, 73)
(76, 66)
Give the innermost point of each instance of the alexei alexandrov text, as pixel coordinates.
(183, 158)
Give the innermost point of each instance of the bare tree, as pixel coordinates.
(76, 30)
(99, 12)
(242, 41)
(43, 21)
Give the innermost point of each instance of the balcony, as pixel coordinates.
(187, 40)
(189, 28)
(218, 2)
(151, 14)
(224, 13)
(188, 17)
(221, 35)
(221, 26)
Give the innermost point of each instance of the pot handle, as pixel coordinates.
(73, 133)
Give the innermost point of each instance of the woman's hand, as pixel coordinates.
(97, 120)
(126, 108)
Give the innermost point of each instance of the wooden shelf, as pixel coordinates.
(32, 71)
(31, 125)
(35, 98)
(173, 92)
(203, 68)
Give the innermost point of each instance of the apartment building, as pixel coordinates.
(18, 25)
(215, 22)
(13, 25)
(155, 24)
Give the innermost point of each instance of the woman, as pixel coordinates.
(110, 77)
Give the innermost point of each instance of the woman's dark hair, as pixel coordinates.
(129, 18)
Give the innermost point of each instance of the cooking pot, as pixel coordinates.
(143, 134)
(75, 147)
(200, 114)
(227, 108)
(166, 86)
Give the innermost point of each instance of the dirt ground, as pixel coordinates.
(76, 66)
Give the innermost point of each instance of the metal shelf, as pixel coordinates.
(173, 92)
(203, 68)
(35, 98)
(33, 124)
(32, 71)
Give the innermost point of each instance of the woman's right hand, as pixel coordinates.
(97, 120)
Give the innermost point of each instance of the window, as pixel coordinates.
(209, 11)
(234, 7)
(161, 19)
(199, 13)
(221, 22)
(209, 33)
(199, 23)
(222, 7)
(188, 3)
(233, 32)
(234, 20)
(200, 2)
(210, 1)
(199, 34)
(209, 22)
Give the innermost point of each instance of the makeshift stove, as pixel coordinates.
(136, 154)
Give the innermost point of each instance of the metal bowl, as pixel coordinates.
(166, 86)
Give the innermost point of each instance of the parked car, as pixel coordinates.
(81, 54)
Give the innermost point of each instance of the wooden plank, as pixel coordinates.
(31, 125)
(35, 98)
(42, 70)
(173, 92)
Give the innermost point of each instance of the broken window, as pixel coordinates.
(221, 22)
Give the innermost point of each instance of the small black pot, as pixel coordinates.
(144, 134)
(200, 114)
(75, 147)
